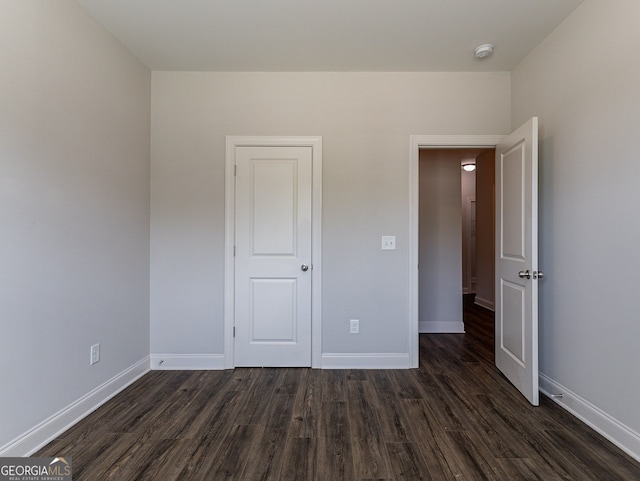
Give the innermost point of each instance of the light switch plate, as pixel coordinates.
(388, 242)
(354, 326)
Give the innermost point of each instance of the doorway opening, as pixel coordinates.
(418, 143)
(456, 235)
(516, 320)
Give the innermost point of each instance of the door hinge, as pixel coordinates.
(234, 251)
(235, 170)
(234, 331)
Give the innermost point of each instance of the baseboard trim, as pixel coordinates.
(187, 362)
(484, 303)
(622, 436)
(46, 431)
(366, 361)
(441, 327)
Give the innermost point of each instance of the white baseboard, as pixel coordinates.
(366, 361)
(187, 362)
(622, 436)
(441, 327)
(46, 431)
(484, 303)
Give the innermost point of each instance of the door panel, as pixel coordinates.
(272, 310)
(516, 344)
(274, 199)
(513, 215)
(512, 335)
(273, 242)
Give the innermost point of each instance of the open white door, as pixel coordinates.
(517, 274)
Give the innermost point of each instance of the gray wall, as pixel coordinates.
(440, 241)
(74, 209)
(485, 231)
(582, 82)
(365, 120)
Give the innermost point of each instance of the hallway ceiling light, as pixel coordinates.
(484, 51)
(469, 166)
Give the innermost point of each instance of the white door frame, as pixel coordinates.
(417, 142)
(315, 142)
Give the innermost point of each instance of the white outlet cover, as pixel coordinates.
(95, 354)
(388, 242)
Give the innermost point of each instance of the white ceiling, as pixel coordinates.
(329, 35)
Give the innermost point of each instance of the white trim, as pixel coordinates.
(366, 361)
(416, 142)
(622, 436)
(187, 362)
(315, 142)
(484, 303)
(29, 442)
(441, 327)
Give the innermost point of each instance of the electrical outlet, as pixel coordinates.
(95, 354)
(354, 326)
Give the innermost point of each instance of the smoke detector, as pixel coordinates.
(484, 51)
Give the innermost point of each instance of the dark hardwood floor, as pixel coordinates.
(454, 418)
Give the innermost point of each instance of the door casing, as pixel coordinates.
(315, 142)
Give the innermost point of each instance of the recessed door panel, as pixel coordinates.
(274, 207)
(512, 332)
(273, 310)
(513, 215)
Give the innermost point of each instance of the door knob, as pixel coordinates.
(524, 274)
(304, 267)
(538, 274)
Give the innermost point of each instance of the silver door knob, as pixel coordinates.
(538, 274)
(304, 267)
(524, 274)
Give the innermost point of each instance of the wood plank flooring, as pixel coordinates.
(454, 418)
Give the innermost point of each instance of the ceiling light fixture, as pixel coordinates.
(484, 51)
(469, 166)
